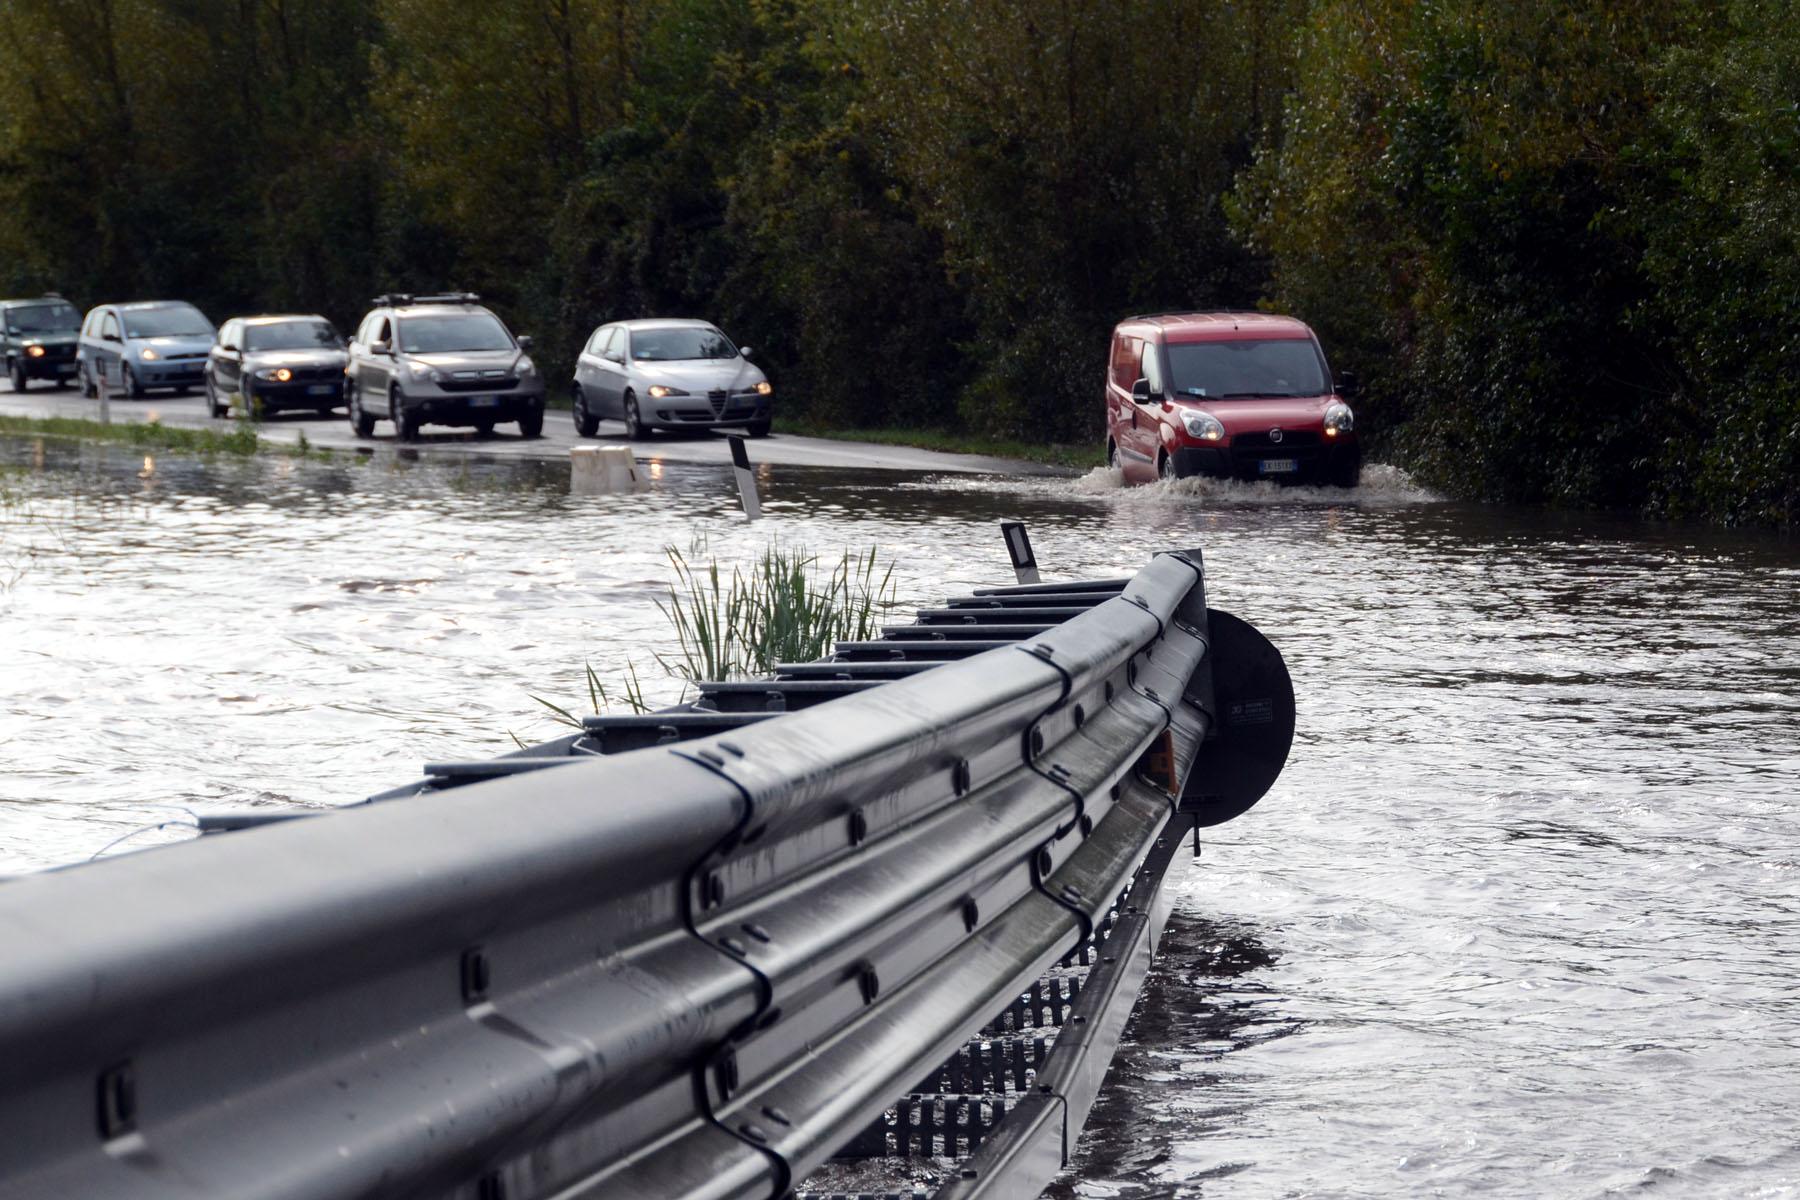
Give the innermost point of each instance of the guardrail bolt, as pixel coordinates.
(869, 982)
(475, 975)
(1080, 716)
(733, 946)
(776, 1115)
(971, 914)
(712, 892)
(1131, 674)
(1036, 742)
(1118, 789)
(1071, 892)
(490, 1187)
(1109, 691)
(756, 931)
(859, 828)
(959, 776)
(1087, 827)
(755, 1133)
(1045, 864)
(116, 1094)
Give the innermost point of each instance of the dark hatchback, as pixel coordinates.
(276, 364)
(38, 339)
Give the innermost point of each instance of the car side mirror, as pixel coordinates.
(745, 351)
(613, 356)
(525, 341)
(227, 346)
(1140, 392)
(1346, 384)
(381, 347)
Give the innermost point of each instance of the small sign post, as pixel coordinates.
(740, 466)
(1018, 548)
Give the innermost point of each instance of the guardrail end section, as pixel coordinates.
(1252, 727)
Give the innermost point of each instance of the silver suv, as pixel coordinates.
(441, 360)
(664, 373)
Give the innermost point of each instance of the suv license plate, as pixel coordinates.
(484, 401)
(321, 389)
(1278, 466)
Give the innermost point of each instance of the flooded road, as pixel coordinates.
(1520, 918)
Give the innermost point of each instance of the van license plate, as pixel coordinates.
(484, 401)
(1278, 466)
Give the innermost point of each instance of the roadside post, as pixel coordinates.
(740, 465)
(100, 390)
(1018, 548)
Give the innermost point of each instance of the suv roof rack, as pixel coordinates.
(402, 299)
(52, 296)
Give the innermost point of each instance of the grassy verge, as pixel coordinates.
(1055, 454)
(240, 439)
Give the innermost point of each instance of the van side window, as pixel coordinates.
(1124, 361)
(1152, 367)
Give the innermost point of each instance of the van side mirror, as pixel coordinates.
(1346, 384)
(1140, 392)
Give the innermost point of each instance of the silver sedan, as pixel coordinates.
(668, 374)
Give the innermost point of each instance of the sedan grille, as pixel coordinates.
(718, 397)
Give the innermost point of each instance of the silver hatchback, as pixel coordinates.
(668, 374)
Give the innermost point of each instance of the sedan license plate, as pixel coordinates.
(321, 389)
(484, 401)
(1278, 466)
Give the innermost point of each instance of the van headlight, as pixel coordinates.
(1338, 419)
(1202, 425)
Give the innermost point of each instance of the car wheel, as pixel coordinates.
(1112, 458)
(405, 424)
(128, 382)
(532, 423)
(586, 423)
(253, 405)
(635, 429)
(484, 429)
(1346, 474)
(1165, 467)
(757, 429)
(16, 371)
(361, 423)
(87, 384)
(214, 409)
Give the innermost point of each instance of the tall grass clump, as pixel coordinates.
(789, 606)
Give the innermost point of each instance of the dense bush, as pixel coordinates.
(1558, 241)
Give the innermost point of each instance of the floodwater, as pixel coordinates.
(1520, 918)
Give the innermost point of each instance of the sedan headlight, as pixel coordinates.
(1203, 425)
(659, 390)
(275, 374)
(1338, 419)
(763, 388)
(425, 371)
(148, 353)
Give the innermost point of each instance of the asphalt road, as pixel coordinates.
(335, 433)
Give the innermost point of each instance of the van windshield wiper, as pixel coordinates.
(1257, 396)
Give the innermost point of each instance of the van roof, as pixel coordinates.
(1179, 327)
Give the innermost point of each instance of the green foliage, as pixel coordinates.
(241, 439)
(1558, 240)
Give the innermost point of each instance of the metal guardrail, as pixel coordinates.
(685, 954)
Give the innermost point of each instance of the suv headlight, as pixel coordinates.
(1338, 419)
(1202, 425)
(526, 368)
(659, 390)
(425, 371)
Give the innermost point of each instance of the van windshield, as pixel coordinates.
(1241, 370)
(292, 335)
(453, 334)
(175, 321)
(43, 318)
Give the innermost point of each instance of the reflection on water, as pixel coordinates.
(1520, 918)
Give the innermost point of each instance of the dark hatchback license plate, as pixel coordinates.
(1278, 466)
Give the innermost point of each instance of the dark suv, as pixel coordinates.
(276, 363)
(441, 360)
(37, 340)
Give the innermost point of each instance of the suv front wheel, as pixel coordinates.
(532, 423)
(405, 424)
(16, 370)
(361, 422)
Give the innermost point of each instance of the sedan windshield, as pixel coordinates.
(666, 345)
(43, 318)
(1224, 370)
(178, 320)
(451, 334)
(292, 335)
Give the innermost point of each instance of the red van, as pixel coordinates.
(1241, 395)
